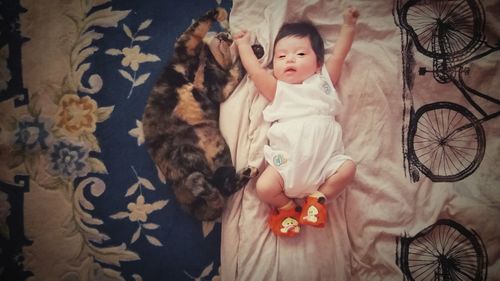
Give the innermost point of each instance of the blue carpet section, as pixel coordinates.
(132, 227)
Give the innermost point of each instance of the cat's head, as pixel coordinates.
(219, 45)
(224, 51)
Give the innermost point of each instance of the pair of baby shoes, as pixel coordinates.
(287, 222)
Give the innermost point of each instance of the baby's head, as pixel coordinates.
(298, 52)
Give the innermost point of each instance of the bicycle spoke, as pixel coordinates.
(427, 151)
(457, 275)
(452, 235)
(464, 161)
(467, 272)
(426, 269)
(436, 236)
(428, 130)
(459, 249)
(427, 118)
(458, 9)
(457, 158)
(429, 157)
(437, 123)
(460, 39)
(453, 162)
(424, 247)
(442, 161)
(462, 151)
(447, 239)
(438, 7)
(454, 122)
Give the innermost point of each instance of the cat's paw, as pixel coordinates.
(221, 14)
(243, 177)
(249, 172)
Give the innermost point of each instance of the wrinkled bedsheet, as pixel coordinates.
(411, 213)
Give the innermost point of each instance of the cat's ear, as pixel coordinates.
(220, 14)
(222, 18)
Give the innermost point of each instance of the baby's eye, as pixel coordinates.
(281, 56)
(301, 54)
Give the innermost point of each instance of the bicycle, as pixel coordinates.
(444, 140)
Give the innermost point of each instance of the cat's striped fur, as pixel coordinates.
(180, 120)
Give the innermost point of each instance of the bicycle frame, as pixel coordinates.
(449, 70)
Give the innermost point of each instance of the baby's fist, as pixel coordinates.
(242, 37)
(351, 15)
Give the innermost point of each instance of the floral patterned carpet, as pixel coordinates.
(80, 198)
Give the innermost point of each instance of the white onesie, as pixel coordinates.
(305, 140)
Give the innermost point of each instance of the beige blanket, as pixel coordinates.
(364, 237)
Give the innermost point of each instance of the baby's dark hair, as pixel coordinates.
(304, 29)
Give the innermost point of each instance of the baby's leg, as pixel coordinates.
(335, 184)
(270, 186)
(284, 218)
(314, 212)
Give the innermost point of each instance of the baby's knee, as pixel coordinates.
(266, 187)
(262, 187)
(349, 168)
(269, 184)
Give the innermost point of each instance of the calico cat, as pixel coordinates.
(180, 120)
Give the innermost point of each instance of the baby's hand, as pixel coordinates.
(351, 15)
(242, 37)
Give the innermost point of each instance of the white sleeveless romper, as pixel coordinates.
(305, 140)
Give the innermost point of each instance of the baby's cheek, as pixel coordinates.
(277, 69)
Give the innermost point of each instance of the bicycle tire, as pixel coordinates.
(437, 149)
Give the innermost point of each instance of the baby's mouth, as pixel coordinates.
(290, 70)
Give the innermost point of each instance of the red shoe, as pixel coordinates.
(313, 212)
(285, 222)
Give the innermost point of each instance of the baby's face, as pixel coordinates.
(294, 60)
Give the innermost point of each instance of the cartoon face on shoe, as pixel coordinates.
(294, 60)
(312, 213)
(288, 224)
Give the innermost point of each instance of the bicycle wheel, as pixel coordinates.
(444, 29)
(445, 141)
(443, 251)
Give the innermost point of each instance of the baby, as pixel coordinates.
(305, 156)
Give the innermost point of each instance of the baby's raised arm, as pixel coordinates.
(264, 81)
(343, 45)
